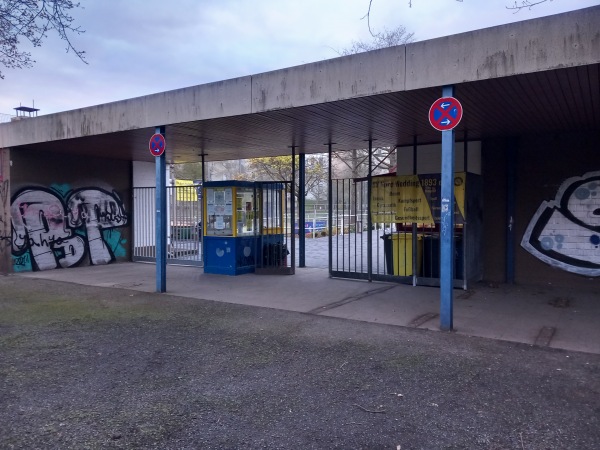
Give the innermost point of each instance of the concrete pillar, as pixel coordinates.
(5, 220)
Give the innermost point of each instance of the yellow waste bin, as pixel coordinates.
(402, 253)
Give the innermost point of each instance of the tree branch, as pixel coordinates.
(525, 4)
(368, 16)
(32, 20)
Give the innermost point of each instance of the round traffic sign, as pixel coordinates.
(157, 144)
(445, 113)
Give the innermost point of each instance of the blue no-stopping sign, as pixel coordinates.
(157, 144)
(445, 113)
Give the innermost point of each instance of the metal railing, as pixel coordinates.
(402, 252)
(5, 118)
(184, 219)
(276, 241)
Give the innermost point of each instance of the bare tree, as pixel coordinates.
(279, 168)
(355, 163)
(368, 17)
(234, 169)
(32, 20)
(382, 39)
(188, 171)
(517, 6)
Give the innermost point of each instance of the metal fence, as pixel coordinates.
(400, 252)
(5, 118)
(276, 239)
(184, 219)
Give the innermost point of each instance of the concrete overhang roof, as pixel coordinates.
(531, 77)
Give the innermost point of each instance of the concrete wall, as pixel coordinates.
(494, 168)
(144, 174)
(544, 164)
(68, 211)
(5, 230)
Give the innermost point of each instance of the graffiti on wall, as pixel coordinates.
(54, 228)
(5, 226)
(565, 232)
(5, 234)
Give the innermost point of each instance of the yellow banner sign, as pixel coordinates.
(412, 198)
(186, 191)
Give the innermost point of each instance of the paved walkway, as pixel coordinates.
(546, 316)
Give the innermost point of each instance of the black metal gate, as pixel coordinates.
(400, 252)
(276, 228)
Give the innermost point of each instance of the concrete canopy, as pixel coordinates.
(536, 76)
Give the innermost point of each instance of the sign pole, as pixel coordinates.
(161, 211)
(447, 225)
(302, 209)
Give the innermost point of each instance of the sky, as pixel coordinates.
(140, 47)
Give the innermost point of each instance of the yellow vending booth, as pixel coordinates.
(244, 227)
(230, 227)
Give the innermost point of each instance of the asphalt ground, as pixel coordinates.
(91, 367)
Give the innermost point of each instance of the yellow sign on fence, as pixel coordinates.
(186, 191)
(412, 198)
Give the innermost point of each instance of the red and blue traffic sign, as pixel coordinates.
(157, 144)
(445, 113)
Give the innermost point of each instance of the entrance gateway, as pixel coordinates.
(405, 220)
(62, 164)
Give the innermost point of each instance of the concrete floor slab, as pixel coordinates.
(511, 313)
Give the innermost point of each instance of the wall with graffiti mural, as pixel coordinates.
(565, 232)
(556, 221)
(68, 211)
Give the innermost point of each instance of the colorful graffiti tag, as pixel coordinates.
(5, 226)
(565, 232)
(54, 228)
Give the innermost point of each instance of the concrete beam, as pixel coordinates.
(554, 42)
(206, 101)
(564, 40)
(371, 73)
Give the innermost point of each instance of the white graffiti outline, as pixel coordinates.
(577, 206)
(45, 227)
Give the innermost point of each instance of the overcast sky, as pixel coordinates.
(139, 47)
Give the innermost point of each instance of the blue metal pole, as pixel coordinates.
(369, 219)
(302, 209)
(330, 205)
(447, 226)
(293, 208)
(161, 219)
